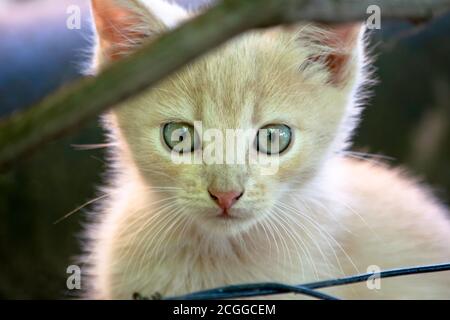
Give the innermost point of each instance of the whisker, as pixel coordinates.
(309, 235)
(160, 173)
(286, 252)
(171, 218)
(79, 208)
(136, 245)
(94, 146)
(304, 249)
(369, 155)
(323, 231)
(145, 216)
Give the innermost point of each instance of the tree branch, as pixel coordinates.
(339, 11)
(71, 107)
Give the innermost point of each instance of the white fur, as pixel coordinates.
(169, 13)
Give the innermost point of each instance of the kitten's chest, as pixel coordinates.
(178, 272)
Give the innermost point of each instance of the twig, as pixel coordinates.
(383, 274)
(253, 290)
(72, 107)
(265, 289)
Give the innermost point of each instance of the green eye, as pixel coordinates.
(180, 137)
(273, 139)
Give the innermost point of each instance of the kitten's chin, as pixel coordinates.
(232, 223)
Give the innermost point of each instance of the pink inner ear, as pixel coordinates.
(344, 40)
(115, 26)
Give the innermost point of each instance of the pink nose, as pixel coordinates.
(225, 200)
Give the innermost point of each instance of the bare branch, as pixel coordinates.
(339, 11)
(71, 107)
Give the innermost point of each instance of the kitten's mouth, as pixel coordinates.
(226, 215)
(233, 221)
(230, 216)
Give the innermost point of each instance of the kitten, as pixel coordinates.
(177, 228)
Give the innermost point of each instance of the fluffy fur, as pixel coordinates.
(322, 215)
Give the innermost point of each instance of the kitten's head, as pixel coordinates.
(298, 82)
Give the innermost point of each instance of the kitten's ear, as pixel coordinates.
(342, 51)
(122, 25)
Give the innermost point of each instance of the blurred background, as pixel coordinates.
(408, 119)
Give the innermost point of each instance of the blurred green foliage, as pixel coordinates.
(35, 252)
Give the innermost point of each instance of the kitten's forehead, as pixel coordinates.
(234, 111)
(241, 82)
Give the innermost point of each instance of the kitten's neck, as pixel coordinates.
(303, 238)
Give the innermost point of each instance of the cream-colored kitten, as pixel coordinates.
(176, 228)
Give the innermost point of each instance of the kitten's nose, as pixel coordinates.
(225, 200)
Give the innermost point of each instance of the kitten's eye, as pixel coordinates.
(273, 139)
(180, 137)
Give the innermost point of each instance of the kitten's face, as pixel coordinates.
(259, 80)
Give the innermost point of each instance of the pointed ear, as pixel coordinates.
(345, 41)
(123, 25)
(341, 51)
